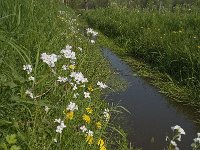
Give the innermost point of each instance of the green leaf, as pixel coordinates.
(15, 147)
(11, 139)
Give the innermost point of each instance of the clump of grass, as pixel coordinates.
(50, 94)
(168, 41)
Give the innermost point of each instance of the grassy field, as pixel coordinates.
(49, 96)
(167, 41)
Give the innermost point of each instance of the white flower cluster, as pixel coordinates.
(106, 114)
(78, 77)
(86, 94)
(61, 125)
(90, 133)
(196, 144)
(91, 32)
(72, 107)
(27, 68)
(62, 79)
(68, 53)
(102, 85)
(179, 131)
(83, 128)
(49, 59)
(29, 93)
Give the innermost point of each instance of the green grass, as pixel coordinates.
(168, 42)
(29, 28)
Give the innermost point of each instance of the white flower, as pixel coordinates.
(78, 77)
(55, 140)
(80, 49)
(75, 95)
(57, 120)
(62, 79)
(72, 107)
(46, 109)
(173, 143)
(31, 78)
(60, 127)
(68, 53)
(197, 140)
(90, 133)
(92, 41)
(91, 32)
(198, 135)
(179, 129)
(106, 114)
(86, 94)
(64, 67)
(102, 85)
(27, 68)
(83, 128)
(29, 93)
(75, 87)
(50, 60)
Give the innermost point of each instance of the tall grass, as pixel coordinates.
(168, 41)
(29, 28)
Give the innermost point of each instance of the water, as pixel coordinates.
(151, 113)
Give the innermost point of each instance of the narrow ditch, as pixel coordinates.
(152, 114)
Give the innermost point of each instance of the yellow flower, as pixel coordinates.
(70, 115)
(103, 147)
(98, 124)
(89, 139)
(72, 67)
(198, 46)
(90, 88)
(101, 142)
(89, 110)
(86, 118)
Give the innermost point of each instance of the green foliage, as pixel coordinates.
(29, 28)
(168, 41)
(10, 144)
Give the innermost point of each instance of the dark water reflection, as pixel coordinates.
(151, 114)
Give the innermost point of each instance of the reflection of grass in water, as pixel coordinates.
(180, 95)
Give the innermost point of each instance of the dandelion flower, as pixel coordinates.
(90, 88)
(103, 147)
(86, 118)
(70, 115)
(98, 125)
(100, 142)
(89, 110)
(89, 139)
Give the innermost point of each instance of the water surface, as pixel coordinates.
(151, 113)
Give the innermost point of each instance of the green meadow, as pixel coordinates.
(166, 41)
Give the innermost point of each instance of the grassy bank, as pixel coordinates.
(50, 98)
(168, 42)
